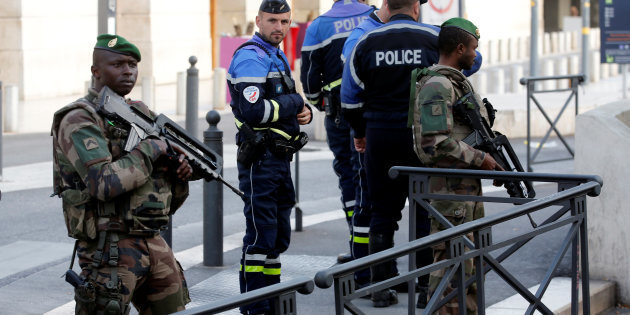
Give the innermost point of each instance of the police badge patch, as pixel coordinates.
(251, 94)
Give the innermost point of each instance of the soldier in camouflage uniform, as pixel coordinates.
(115, 203)
(438, 136)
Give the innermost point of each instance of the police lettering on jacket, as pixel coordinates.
(399, 57)
(321, 63)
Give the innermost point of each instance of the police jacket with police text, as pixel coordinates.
(372, 22)
(375, 86)
(260, 97)
(323, 43)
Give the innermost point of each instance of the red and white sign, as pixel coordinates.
(437, 11)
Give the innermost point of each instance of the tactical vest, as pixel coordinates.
(142, 211)
(461, 86)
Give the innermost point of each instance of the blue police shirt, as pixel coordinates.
(372, 22)
(321, 64)
(259, 95)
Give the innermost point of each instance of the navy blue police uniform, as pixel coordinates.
(375, 101)
(265, 105)
(321, 72)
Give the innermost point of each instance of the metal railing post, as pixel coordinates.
(192, 97)
(213, 198)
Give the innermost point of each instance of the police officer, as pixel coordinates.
(268, 112)
(321, 79)
(115, 203)
(375, 98)
(438, 136)
(375, 19)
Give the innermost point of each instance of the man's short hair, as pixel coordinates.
(399, 4)
(450, 37)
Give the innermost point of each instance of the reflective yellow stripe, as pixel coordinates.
(276, 110)
(332, 85)
(271, 271)
(360, 240)
(278, 131)
(350, 213)
(253, 268)
(314, 102)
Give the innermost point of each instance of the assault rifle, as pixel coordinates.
(492, 142)
(202, 159)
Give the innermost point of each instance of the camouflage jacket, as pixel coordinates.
(437, 132)
(101, 186)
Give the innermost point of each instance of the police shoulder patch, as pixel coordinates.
(251, 94)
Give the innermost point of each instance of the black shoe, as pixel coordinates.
(422, 297)
(344, 258)
(384, 298)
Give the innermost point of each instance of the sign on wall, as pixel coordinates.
(437, 11)
(615, 31)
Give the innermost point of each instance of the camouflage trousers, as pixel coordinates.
(148, 275)
(456, 212)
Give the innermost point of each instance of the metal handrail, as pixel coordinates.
(283, 294)
(530, 82)
(573, 187)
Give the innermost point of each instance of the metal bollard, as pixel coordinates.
(213, 198)
(192, 97)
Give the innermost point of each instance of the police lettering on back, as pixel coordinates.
(399, 57)
(347, 25)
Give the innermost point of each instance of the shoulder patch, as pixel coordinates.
(90, 143)
(251, 94)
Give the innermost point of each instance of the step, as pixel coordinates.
(558, 298)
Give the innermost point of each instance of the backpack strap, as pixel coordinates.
(416, 75)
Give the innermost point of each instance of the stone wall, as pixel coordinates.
(607, 129)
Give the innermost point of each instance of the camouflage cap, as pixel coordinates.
(463, 24)
(274, 6)
(117, 44)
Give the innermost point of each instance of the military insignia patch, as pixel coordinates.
(251, 94)
(90, 143)
(112, 43)
(436, 110)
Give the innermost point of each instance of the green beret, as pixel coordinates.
(274, 6)
(463, 24)
(117, 44)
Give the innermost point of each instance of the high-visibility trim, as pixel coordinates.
(276, 111)
(271, 271)
(278, 131)
(253, 268)
(361, 229)
(313, 102)
(332, 85)
(267, 112)
(360, 240)
(270, 261)
(349, 203)
(350, 213)
(258, 257)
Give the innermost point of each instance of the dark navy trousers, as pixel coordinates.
(269, 198)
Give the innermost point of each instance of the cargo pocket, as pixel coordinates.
(80, 221)
(151, 216)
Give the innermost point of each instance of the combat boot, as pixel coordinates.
(379, 242)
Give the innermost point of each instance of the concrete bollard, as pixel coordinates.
(493, 51)
(512, 46)
(516, 75)
(480, 82)
(484, 49)
(148, 92)
(604, 69)
(553, 49)
(574, 64)
(594, 66)
(562, 68)
(11, 108)
(497, 81)
(180, 107)
(546, 44)
(503, 50)
(547, 71)
(219, 86)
